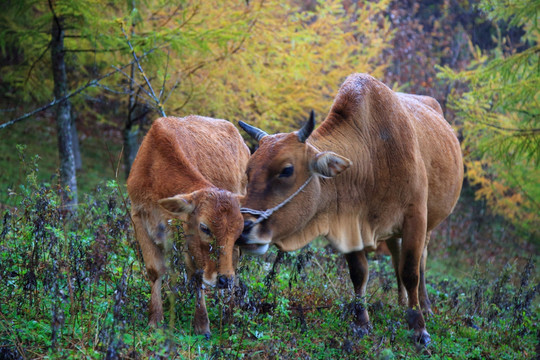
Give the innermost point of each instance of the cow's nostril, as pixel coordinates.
(248, 224)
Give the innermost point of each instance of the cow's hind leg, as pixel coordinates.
(358, 269)
(422, 291)
(155, 268)
(394, 245)
(412, 248)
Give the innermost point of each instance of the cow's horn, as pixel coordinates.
(307, 129)
(252, 131)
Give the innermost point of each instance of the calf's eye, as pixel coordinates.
(205, 229)
(286, 172)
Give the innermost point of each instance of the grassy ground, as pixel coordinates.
(99, 154)
(76, 288)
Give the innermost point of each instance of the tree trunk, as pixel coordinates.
(131, 146)
(68, 179)
(76, 145)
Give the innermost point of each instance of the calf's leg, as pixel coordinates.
(201, 323)
(358, 269)
(155, 268)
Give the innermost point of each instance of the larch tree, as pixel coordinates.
(64, 131)
(183, 39)
(293, 62)
(501, 116)
(67, 30)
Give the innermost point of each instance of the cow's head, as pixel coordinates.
(213, 223)
(282, 164)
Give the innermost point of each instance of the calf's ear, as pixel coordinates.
(329, 164)
(179, 204)
(240, 197)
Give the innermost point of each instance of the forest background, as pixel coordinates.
(82, 81)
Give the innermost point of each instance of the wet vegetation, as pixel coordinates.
(75, 287)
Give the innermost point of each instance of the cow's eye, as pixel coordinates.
(205, 229)
(287, 171)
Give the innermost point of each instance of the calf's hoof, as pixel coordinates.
(421, 337)
(154, 321)
(203, 330)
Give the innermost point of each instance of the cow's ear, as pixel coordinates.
(329, 164)
(179, 204)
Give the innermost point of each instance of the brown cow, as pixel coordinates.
(193, 167)
(404, 177)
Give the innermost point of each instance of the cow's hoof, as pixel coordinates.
(361, 330)
(422, 338)
(426, 310)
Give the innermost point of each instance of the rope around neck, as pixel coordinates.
(265, 214)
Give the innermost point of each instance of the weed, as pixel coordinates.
(76, 288)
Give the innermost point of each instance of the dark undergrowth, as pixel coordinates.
(75, 287)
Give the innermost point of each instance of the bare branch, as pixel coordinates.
(136, 83)
(188, 98)
(514, 130)
(153, 94)
(106, 88)
(165, 76)
(90, 83)
(94, 50)
(35, 62)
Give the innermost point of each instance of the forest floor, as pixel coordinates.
(76, 288)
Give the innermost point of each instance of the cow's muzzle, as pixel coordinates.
(249, 243)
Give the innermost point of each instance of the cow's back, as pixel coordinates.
(441, 154)
(214, 148)
(181, 155)
(401, 149)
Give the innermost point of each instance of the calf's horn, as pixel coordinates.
(252, 131)
(307, 129)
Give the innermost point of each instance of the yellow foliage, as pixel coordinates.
(292, 61)
(501, 197)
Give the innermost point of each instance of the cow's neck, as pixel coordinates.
(319, 224)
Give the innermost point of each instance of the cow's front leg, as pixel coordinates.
(358, 269)
(394, 245)
(412, 248)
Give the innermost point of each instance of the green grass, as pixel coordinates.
(100, 156)
(75, 288)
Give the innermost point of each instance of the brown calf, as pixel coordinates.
(194, 168)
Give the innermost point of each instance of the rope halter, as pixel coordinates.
(265, 214)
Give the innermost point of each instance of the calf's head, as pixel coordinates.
(282, 164)
(213, 223)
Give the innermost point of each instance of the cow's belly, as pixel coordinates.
(353, 233)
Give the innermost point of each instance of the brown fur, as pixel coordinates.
(405, 177)
(191, 168)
